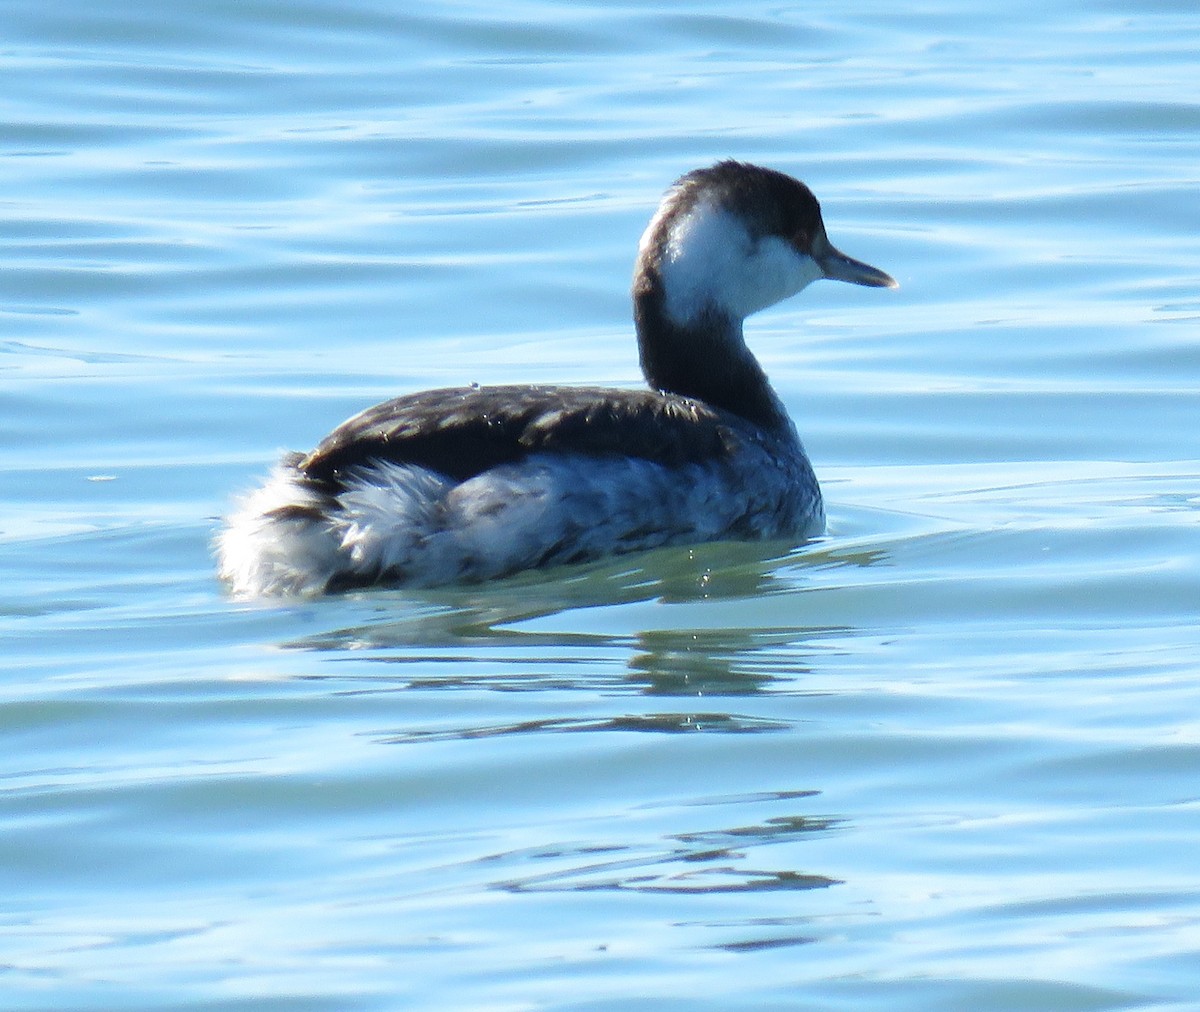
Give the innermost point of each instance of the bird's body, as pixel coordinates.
(473, 483)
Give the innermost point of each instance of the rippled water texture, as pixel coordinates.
(946, 757)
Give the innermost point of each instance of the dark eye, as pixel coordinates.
(801, 239)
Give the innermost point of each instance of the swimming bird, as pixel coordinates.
(473, 483)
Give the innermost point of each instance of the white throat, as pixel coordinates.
(711, 261)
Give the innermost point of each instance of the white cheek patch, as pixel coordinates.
(711, 261)
(777, 272)
(702, 245)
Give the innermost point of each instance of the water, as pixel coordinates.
(945, 757)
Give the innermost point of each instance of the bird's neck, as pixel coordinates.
(705, 359)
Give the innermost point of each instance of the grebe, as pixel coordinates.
(474, 482)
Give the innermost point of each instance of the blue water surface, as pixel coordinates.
(945, 757)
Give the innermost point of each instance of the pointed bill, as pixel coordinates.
(836, 266)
